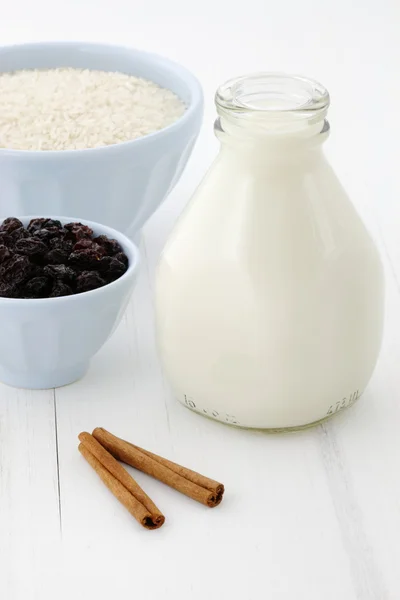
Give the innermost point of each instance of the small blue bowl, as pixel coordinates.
(120, 185)
(49, 342)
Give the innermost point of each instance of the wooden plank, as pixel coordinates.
(361, 448)
(29, 493)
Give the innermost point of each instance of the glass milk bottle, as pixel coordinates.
(269, 293)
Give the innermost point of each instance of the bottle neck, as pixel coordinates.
(293, 142)
(276, 112)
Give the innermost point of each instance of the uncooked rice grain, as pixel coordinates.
(71, 109)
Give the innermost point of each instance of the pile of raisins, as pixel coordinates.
(47, 259)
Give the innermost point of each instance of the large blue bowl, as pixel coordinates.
(120, 185)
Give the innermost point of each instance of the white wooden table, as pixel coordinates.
(307, 516)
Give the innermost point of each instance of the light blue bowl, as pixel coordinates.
(121, 185)
(49, 342)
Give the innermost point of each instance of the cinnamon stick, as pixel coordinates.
(120, 483)
(192, 484)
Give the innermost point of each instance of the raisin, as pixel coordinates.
(37, 287)
(8, 290)
(86, 244)
(38, 224)
(17, 270)
(122, 257)
(83, 244)
(53, 224)
(60, 273)
(9, 225)
(46, 234)
(60, 289)
(77, 231)
(110, 246)
(62, 242)
(56, 256)
(6, 240)
(31, 247)
(111, 268)
(35, 225)
(4, 254)
(77, 225)
(18, 234)
(89, 280)
(84, 259)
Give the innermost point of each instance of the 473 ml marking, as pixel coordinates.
(348, 401)
(231, 419)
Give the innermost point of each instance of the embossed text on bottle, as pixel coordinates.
(220, 416)
(344, 403)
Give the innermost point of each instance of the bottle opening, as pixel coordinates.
(273, 92)
(273, 101)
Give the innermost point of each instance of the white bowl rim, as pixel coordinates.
(181, 72)
(124, 241)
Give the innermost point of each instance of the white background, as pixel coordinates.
(308, 516)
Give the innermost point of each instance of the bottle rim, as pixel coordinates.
(269, 96)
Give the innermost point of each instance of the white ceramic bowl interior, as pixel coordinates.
(119, 185)
(49, 342)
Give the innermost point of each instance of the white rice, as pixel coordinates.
(70, 109)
